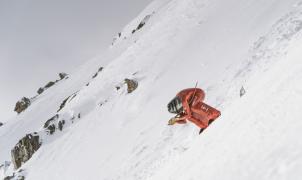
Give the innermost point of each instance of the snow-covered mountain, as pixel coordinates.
(90, 127)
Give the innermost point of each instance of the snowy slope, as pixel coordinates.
(223, 45)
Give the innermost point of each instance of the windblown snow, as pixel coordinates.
(110, 134)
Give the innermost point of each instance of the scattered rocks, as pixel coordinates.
(132, 85)
(21, 105)
(51, 83)
(53, 123)
(24, 149)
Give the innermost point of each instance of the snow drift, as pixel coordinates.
(109, 133)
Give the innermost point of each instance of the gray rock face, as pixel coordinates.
(132, 85)
(22, 105)
(24, 149)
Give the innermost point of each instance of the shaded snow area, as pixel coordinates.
(90, 127)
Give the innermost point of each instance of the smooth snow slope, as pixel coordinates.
(221, 44)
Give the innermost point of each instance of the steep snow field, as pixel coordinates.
(223, 45)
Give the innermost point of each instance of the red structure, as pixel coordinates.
(188, 105)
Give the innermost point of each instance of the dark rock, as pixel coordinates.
(22, 105)
(73, 96)
(242, 91)
(63, 104)
(24, 149)
(62, 75)
(1, 124)
(40, 90)
(51, 120)
(132, 85)
(61, 124)
(51, 129)
(100, 69)
(13, 177)
(95, 75)
(79, 115)
(140, 25)
(48, 85)
(118, 88)
(9, 177)
(119, 34)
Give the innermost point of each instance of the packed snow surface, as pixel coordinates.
(224, 45)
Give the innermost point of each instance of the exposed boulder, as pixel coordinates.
(21, 105)
(40, 90)
(100, 69)
(1, 124)
(49, 84)
(62, 75)
(132, 85)
(24, 149)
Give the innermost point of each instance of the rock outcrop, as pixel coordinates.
(96, 74)
(40, 90)
(132, 85)
(62, 75)
(21, 105)
(24, 149)
(49, 84)
(142, 23)
(50, 124)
